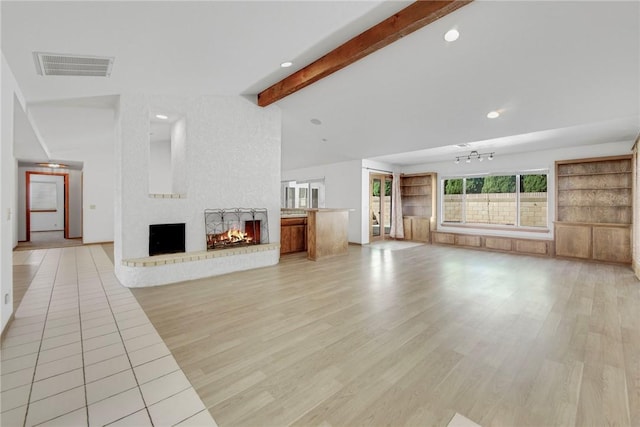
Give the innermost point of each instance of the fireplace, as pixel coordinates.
(166, 238)
(230, 228)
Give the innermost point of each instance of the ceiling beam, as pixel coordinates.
(406, 21)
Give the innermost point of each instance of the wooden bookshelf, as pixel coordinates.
(594, 208)
(418, 205)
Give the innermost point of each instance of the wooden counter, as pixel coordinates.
(327, 231)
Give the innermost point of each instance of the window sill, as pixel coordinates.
(482, 227)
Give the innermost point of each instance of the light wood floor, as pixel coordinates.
(409, 337)
(25, 267)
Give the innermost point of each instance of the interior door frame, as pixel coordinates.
(28, 201)
(383, 178)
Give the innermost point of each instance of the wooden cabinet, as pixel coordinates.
(328, 233)
(416, 228)
(573, 240)
(293, 235)
(493, 243)
(599, 242)
(418, 192)
(594, 208)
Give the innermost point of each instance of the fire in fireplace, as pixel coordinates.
(230, 237)
(229, 228)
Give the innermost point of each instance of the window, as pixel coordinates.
(518, 200)
(302, 194)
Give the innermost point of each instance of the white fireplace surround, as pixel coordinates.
(232, 159)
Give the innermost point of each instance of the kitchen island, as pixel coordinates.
(326, 231)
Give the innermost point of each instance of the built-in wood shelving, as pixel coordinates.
(418, 205)
(594, 208)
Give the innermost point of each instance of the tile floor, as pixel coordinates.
(82, 352)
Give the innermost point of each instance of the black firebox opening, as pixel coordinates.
(166, 238)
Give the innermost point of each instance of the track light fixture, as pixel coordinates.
(474, 155)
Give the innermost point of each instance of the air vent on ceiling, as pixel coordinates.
(60, 64)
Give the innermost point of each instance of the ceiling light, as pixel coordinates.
(161, 116)
(286, 64)
(52, 165)
(452, 35)
(474, 155)
(493, 115)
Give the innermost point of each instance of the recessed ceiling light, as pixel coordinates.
(286, 64)
(52, 165)
(161, 116)
(316, 122)
(452, 35)
(493, 115)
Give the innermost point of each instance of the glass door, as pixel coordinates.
(375, 211)
(386, 206)
(379, 206)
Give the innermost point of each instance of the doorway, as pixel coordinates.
(43, 202)
(380, 187)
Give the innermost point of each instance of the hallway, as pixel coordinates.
(48, 240)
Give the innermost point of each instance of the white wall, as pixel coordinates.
(179, 161)
(75, 200)
(49, 221)
(160, 167)
(232, 160)
(98, 194)
(97, 183)
(11, 99)
(518, 163)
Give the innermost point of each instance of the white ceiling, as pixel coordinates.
(562, 73)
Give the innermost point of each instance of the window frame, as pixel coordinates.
(485, 226)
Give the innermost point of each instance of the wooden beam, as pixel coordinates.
(406, 21)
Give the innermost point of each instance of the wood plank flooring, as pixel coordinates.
(25, 267)
(409, 337)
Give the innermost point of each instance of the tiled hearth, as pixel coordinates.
(157, 260)
(81, 351)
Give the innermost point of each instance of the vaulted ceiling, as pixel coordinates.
(560, 73)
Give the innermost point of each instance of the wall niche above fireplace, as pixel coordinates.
(231, 228)
(167, 154)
